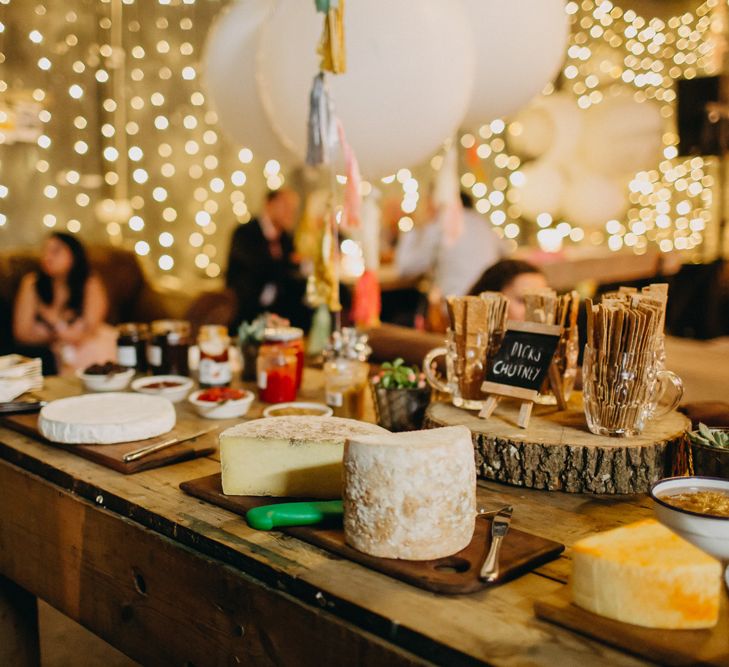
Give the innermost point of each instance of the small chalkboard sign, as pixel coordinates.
(519, 367)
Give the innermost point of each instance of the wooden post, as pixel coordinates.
(19, 643)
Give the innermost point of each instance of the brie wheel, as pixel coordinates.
(105, 419)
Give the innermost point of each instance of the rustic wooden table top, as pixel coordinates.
(42, 487)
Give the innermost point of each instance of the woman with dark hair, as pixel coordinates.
(62, 306)
(513, 278)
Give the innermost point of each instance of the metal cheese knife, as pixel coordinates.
(18, 407)
(499, 528)
(137, 454)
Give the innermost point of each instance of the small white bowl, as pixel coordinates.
(174, 394)
(708, 532)
(223, 410)
(106, 382)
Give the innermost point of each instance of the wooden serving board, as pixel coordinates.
(666, 647)
(457, 574)
(111, 456)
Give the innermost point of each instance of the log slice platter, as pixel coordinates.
(558, 453)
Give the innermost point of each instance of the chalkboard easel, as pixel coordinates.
(520, 366)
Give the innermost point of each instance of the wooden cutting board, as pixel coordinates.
(666, 647)
(520, 552)
(111, 456)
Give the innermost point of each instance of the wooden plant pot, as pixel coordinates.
(710, 461)
(249, 352)
(400, 409)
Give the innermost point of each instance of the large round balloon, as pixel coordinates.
(520, 45)
(542, 189)
(550, 128)
(622, 136)
(410, 69)
(229, 77)
(590, 200)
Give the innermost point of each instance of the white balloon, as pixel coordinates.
(542, 189)
(410, 68)
(590, 200)
(622, 136)
(229, 77)
(520, 45)
(549, 128)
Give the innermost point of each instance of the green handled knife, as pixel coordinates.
(268, 517)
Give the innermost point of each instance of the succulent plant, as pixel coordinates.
(710, 437)
(396, 375)
(252, 332)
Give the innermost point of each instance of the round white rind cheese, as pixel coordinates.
(410, 495)
(105, 419)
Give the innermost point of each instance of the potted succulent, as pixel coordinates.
(710, 451)
(250, 337)
(401, 395)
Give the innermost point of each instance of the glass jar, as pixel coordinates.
(168, 348)
(214, 369)
(276, 374)
(346, 386)
(131, 346)
(291, 338)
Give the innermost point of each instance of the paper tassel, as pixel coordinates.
(331, 44)
(352, 196)
(322, 287)
(447, 197)
(322, 131)
(366, 301)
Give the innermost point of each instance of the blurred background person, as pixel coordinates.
(454, 264)
(60, 309)
(513, 278)
(263, 269)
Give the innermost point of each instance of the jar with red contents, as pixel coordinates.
(291, 338)
(277, 372)
(214, 369)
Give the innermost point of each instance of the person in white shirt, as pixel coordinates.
(454, 265)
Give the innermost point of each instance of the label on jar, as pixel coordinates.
(262, 380)
(214, 372)
(126, 355)
(335, 399)
(154, 355)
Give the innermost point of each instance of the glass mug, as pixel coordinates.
(464, 373)
(621, 397)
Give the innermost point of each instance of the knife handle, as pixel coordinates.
(309, 513)
(490, 569)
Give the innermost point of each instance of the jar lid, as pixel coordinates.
(282, 334)
(133, 327)
(180, 327)
(213, 331)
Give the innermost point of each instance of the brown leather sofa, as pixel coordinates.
(132, 296)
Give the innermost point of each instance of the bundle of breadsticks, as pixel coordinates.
(545, 306)
(625, 331)
(477, 322)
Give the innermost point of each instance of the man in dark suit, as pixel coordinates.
(262, 269)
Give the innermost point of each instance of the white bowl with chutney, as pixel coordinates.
(697, 509)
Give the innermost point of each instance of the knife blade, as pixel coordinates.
(137, 454)
(18, 407)
(499, 528)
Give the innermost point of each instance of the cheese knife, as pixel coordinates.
(499, 528)
(18, 407)
(137, 454)
(308, 513)
(268, 517)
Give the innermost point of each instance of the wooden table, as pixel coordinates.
(168, 579)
